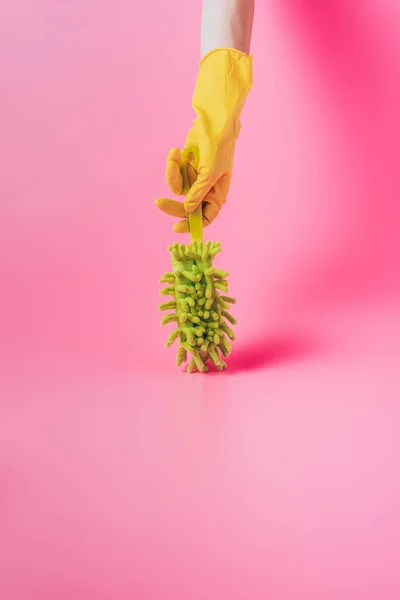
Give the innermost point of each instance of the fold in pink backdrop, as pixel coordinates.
(118, 477)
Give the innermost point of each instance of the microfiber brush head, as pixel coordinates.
(198, 309)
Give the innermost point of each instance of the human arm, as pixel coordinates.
(223, 82)
(226, 24)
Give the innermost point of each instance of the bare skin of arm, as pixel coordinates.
(226, 24)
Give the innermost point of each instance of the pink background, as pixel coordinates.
(121, 478)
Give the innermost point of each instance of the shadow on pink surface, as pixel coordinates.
(271, 351)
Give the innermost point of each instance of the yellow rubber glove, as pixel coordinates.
(223, 83)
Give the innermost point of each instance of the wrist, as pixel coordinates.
(232, 52)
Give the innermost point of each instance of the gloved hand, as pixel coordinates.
(223, 83)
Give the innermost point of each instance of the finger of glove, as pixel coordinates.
(222, 188)
(210, 212)
(192, 174)
(173, 208)
(217, 196)
(183, 226)
(175, 155)
(173, 171)
(198, 192)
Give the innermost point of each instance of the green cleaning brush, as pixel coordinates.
(198, 309)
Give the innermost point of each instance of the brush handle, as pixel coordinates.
(196, 217)
(196, 225)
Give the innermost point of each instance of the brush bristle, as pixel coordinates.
(198, 308)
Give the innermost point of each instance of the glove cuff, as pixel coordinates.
(231, 52)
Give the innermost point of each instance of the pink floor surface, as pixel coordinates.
(277, 479)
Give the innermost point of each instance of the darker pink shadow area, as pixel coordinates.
(271, 351)
(266, 353)
(356, 78)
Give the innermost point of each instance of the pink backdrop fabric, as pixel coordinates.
(121, 477)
